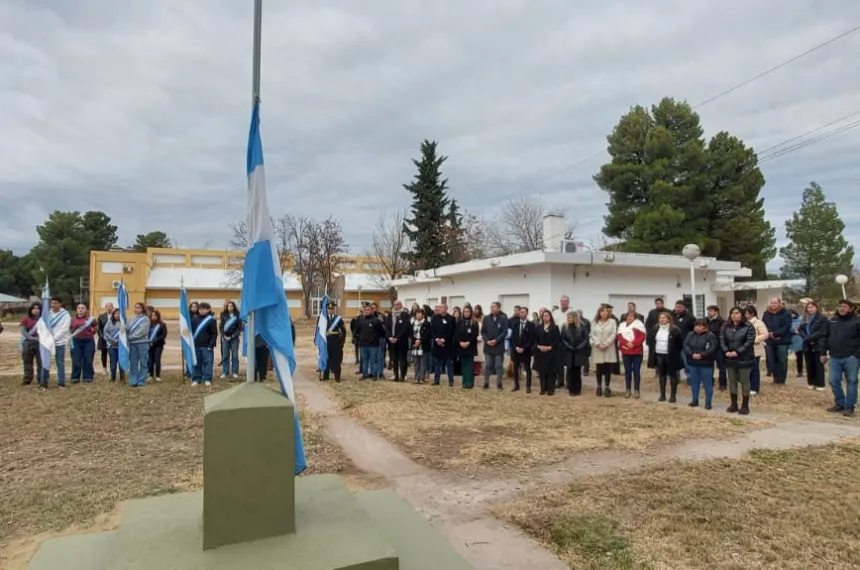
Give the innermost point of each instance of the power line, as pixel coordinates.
(744, 83)
(807, 133)
(808, 142)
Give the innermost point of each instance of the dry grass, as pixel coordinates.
(67, 456)
(454, 429)
(796, 509)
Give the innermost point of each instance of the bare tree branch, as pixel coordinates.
(332, 246)
(389, 246)
(519, 226)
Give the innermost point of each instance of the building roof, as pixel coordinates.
(602, 258)
(10, 299)
(200, 278)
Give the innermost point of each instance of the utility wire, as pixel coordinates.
(805, 143)
(807, 133)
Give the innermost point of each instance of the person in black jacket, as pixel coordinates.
(204, 330)
(684, 321)
(522, 344)
(157, 337)
(575, 339)
(335, 339)
(737, 343)
(370, 332)
(841, 343)
(667, 354)
(103, 344)
(353, 329)
(716, 324)
(547, 346)
(397, 331)
(442, 335)
(231, 331)
(701, 348)
(812, 331)
(466, 346)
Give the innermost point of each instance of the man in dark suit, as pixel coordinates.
(522, 342)
(397, 331)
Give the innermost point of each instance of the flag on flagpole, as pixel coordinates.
(122, 345)
(185, 335)
(46, 333)
(319, 335)
(262, 286)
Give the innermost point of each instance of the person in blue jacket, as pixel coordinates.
(797, 341)
(778, 323)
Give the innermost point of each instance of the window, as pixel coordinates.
(700, 305)
(373, 266)
(111, 267)
(316, 305)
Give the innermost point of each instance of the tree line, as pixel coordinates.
(62, 254)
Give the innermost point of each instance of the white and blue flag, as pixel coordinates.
(262, 285)
(319, 335)
(122, 345)
(43, 327)
(185, 335)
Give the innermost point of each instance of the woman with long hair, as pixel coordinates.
(603, 351)
(796, 346)
(157, 338)
(811, 332)
(82, 343)
(737, 342)
(112, 330)
(419, 341)
(668, 344)
(231, 332)
(458, 366)
(466, 346)
(761, 334)
(631, 339)
(137, 331)
(478, 317)
(30, 353)
(547, 343)
(575, 340)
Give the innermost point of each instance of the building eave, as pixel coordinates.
(775, 284)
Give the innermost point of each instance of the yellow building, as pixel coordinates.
(154, 277)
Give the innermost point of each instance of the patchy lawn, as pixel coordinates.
(67, 456)
(795, 509)
(455, 429)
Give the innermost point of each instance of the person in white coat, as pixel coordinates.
(604, 353)
(60, 321)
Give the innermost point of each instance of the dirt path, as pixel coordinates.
(459, 507)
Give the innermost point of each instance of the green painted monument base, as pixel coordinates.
(333, 528)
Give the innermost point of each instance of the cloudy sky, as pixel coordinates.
(141, 109)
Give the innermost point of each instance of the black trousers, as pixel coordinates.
(30, 355)
(154, 366)
(798, 357)
(523, 363)
(604, 373)
(547, 381)
(261, 362)
(574, 380)
(814, 368)
(399, 359)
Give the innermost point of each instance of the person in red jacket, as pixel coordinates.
(631, 339)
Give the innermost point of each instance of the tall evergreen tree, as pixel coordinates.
(100, 227)
(430, 203)
(817, 251)
(667, 188)
(455, 246)
(62, 254)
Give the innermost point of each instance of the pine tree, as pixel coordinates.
(455, 247)
(817, 251)
(426, 229)
(667, 188)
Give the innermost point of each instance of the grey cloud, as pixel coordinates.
(142, 108)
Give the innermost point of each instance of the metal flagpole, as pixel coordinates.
(250, 339)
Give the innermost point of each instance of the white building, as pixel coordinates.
(589, 278)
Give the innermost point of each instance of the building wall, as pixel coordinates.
(543, 285)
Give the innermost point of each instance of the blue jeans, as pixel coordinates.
(632, 371)
(113, 356)
(755, 375)
(369, 356)
(702, 375)
(440, 364)
(777, 356)
(138, 359)
(229, 356)
(203, 368)
(847, 366)
(83, 353)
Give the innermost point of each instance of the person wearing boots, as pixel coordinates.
(575, 341)
(547, 343)
(522, 342)
(668, 343)
(737, 343)
(466, 346)
(335, 339)
(604, 352)
(701, 347)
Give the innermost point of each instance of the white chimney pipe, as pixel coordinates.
(554, 229)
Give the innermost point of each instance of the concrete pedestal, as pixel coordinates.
(309, 523)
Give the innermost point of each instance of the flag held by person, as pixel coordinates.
(263, 287)
(185, 335)
(320, 334)
(122, 345)
(46, 333)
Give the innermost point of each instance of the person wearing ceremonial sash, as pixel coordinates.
(111, 336)
(231, 331)
(157, 337)
(82, 344)
(103, 345)
(29, 327)
(137, 332)
(466, 348)
(335, 338)
(204, 330)
(60, 321)
(397, 331)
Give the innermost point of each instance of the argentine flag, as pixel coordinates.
(122, 345)
(262, 285)
(185, 335)
(319, 336)
(46, 333)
